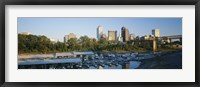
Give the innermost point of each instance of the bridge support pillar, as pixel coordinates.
(154, 45)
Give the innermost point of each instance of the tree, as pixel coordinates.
(72, 43)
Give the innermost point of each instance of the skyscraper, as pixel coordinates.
(120, 37)
(69, 36)
(156, 32)
(125, 34)
(99, 31)
(112, 35)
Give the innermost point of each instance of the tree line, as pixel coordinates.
(42, 44)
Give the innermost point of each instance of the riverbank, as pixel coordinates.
(105, 51)
(169, 61)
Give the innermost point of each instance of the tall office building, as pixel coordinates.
(112, 35)
(99, 31)
(125, 34)
(156, 32)
(69, 36)
(120, 37)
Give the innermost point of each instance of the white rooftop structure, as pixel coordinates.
(25, 33)
(53, 40)
(83, 53)
(36, 56)
(50, 61)
(64, 54)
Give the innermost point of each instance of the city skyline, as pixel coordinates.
(57, 28)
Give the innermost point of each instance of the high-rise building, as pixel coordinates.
(99, 31)
(112, 35)
(120, 37)
(125, 34)
(156, 32)
(69, 36)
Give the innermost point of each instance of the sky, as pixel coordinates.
(57, 28)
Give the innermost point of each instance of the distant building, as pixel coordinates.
(120, 38)
(132, 36)
(99, 31)
(112, 35)
(146, 37)
(25, 33)
(104, 36)
(73, 54)
(125, 34)
(69, 36)
(151, 37)
(53, 40)
(137, 38)
(83, 54)
(156, 32)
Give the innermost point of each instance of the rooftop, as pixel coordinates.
(50, 61)
(64, 54)
(83, 53)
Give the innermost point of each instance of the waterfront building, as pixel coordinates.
(73, 54)
(112, 35)
(156, 32)
(125, 34)
(69, 36)
(99, 31)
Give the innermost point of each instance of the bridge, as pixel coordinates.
(165, 38)
(173, 36)
(169, 38)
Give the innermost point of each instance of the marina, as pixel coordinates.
(85, 60)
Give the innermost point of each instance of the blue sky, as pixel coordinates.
(56, 28)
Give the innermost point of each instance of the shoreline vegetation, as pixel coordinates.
(121, 51)
(33, 44)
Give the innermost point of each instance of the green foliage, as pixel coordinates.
(41, 44)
